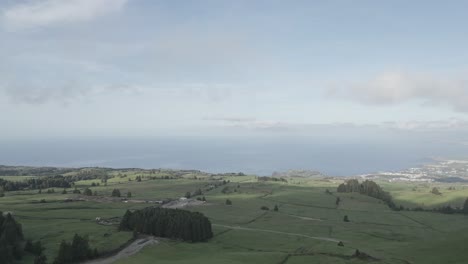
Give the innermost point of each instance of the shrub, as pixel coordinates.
(87, 192)
(115, 193)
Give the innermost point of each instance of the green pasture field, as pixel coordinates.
(305, 229)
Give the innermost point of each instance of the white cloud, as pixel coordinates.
(450, 124)
(398, 87)
(39, 13)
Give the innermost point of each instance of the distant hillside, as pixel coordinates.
(298, 173)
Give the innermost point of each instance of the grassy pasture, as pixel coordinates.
(304, 230)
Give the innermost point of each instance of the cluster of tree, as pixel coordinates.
(171, 223)
(11, 239)
(197, 192)
(138, 178)
(76, 251)
(368, 188)
(27, 171)
(201, 199)
(166, 177)
(37, 250)
(264, 207)
(266, 178)
(91, 174)
(58, 181)
(445, 209)
(228, 202)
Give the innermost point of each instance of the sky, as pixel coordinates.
(149, 68)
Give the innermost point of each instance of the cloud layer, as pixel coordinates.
(451, 124)
(39, 13)
(399, 87)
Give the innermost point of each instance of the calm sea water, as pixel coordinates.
(251, 155)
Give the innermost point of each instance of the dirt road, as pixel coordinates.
(281, 233)
(131, 249)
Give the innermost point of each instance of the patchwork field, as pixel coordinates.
(306, 228)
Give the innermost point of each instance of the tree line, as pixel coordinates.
(58, 181)
(76, 251)
(11, 239)
(368, 188)
(170, 223)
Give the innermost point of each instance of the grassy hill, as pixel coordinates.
(306, 228)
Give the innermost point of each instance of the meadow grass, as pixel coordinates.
(304, 230)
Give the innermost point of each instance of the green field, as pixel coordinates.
(305, 229)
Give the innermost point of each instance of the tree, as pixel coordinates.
(188, 195)
(64, 254)
(198, 192)
(435, 191)
(228, 202)
(64, 191)
(40, 259)
(2, 191)
(345, 218)
(74, 252)
(341, 244)
(338, 200)
(265, 208)
(11, 239)
(80, 248)
(204, 199)
(115, 193)
(465, 207)
(276, 208)
(125, 222)
(129, 194)
(34, 248)
(88, 192)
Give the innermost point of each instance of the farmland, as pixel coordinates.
(306, 228)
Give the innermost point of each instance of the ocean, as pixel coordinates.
(261, 156)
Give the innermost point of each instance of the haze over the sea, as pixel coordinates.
(249, 155)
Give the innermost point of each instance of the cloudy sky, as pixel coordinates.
(163, 67)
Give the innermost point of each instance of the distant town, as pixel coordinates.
(439, 171)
